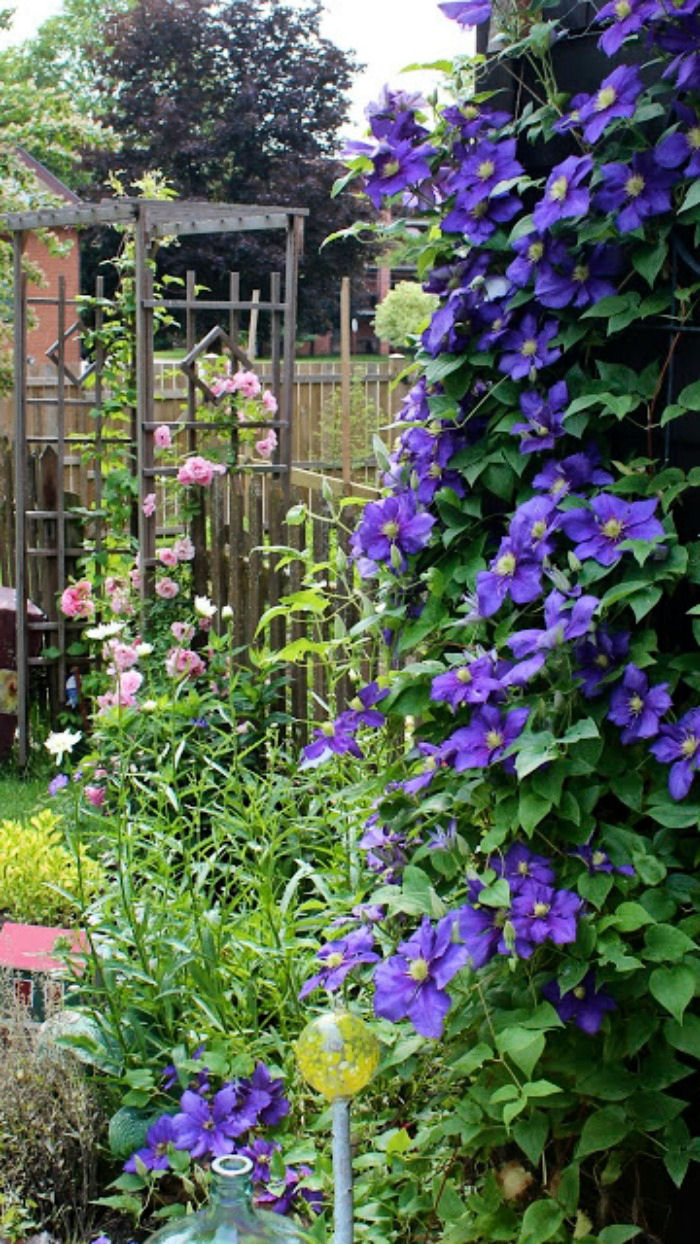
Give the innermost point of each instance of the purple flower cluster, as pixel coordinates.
(208, 1124)
(537, 912)
(385, 850)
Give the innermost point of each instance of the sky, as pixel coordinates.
(386, 35)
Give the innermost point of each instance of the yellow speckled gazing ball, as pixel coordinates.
(337, 1054)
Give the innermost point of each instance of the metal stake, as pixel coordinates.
(342, 1172)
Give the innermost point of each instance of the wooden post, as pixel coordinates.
(345, 380)
(60, 575)
(295, 238)
(144, 403)
(20, 366)
(253, 325)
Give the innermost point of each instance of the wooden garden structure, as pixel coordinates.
(44, 519)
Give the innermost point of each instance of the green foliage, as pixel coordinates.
(42, 879)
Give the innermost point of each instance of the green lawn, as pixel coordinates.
(20, 796)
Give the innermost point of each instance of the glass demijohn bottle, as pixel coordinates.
(230, 1217)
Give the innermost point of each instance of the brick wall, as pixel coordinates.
(41, 338)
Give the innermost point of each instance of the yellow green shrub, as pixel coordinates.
(40, 878)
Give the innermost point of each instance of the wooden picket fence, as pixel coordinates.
(317, 425)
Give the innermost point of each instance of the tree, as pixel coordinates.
(44, 122)
(240, 101)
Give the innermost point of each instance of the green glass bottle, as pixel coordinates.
(230, 1217)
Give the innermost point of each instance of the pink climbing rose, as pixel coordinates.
(162, 437)
(77, 602)
(197, 470)
(149, 504)
(166, 588)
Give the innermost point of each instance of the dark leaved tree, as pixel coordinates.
(241, 102)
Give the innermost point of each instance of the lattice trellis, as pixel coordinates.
(46, 543)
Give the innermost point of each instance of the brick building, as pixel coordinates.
(44, 333)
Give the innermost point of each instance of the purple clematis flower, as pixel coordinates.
(598, 656)
(154, 1156)
(579, 284)
(208, 1127)
(514, 571)
(391, 530)
(411, 984)
(397, 164)
(598, 861)
(332, 738)
(566, 193)
(260, 1153)
(394, 114)
(540, 913)
(59, 782)
(385, 850)
(484, 740)
(471, 683)
(682, 39)
(683, 145)
(564, 619)
(616, 97)
(533, 525)
(636, 190)
(467, 12)
(482, 929)
(527, 348)
(339, 958)
(566, 478)
(534, 251)
(583, 1004)
(627, 17)
(599, 531)
(520, 865)
(679, 746)
(544, 418)
(473, 119)
(637, 707)
(478, 217)
(265, 1095)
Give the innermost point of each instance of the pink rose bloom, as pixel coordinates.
(77, 602)
(135, 579)
(269, 402)
(122, 655)
(246, 383)
(166, 588)
(183, 549)
(162, 437)
(149, 504)
(267, 444)
(181, 631)
(198, 470)
(95, 795)
(183, 662)
(204, 624)
(128, 684)
(167, 557)
(221, 385)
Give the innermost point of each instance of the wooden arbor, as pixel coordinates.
(150, 221)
